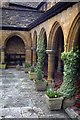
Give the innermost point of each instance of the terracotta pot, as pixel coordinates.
(54, 103)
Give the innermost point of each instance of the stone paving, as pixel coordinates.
(19, 98)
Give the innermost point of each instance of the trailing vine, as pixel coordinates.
(71, 72)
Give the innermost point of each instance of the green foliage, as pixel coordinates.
(27, 65)
(41, 56)
(52, 94)
(39, 72)
(41, 51)
(32, 69)
(71, 72)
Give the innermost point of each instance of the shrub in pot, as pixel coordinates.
(40, 82)
(53, 99)
(68, 88)
(32, 73)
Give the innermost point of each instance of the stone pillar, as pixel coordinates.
(59, 61)
(2, 55)
(34, 55)
(51, 59)
(28, 55)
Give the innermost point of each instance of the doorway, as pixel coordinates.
(14, 51)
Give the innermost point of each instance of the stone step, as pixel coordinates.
(72, 114)
(29, 112)
(20, 112)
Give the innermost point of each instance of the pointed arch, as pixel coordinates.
(51, 39)
(42, 31)
(15, 34)
(43, 35)
(14, 51)
(55, 47)
(34, 42)
(73, 33)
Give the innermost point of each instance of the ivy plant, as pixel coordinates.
(71, 61)
(41, 56)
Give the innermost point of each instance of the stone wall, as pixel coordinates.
(25, 36)
(65, 20)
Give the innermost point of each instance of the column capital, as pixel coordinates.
(50, 51)
(33, 48)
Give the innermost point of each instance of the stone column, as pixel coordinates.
(34, 55)
(59, 61)
(51, 59)
(28, 55)
(2, 55)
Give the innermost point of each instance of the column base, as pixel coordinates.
(2, 66)
(51, 85)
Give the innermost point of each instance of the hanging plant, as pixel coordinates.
(71, 72)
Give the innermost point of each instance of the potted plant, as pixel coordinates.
(40, 82)
(53, 99)
(27, 67)
(17, 67)
(32, 73)
(68, 88)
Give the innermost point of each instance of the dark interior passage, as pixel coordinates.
(14, 51)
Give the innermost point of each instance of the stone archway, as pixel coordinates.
(74, 33)
(34, 46)
(77, 40)
(44, 38)
(55, 47)
(14, 51)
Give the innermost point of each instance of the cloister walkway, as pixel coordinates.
(19, 99)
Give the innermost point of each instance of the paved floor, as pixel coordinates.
(19, 99)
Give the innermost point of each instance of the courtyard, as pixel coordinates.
(43, 38)
(19, 98)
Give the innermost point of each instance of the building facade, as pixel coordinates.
(58, 23)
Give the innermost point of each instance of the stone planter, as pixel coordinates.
(54, 103)
(68, 102)
(18, 67)
(26, 70)
(41, 86)
(32, 75)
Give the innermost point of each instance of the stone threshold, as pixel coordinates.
(72, 114)
(28, 113)
(20, 112)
